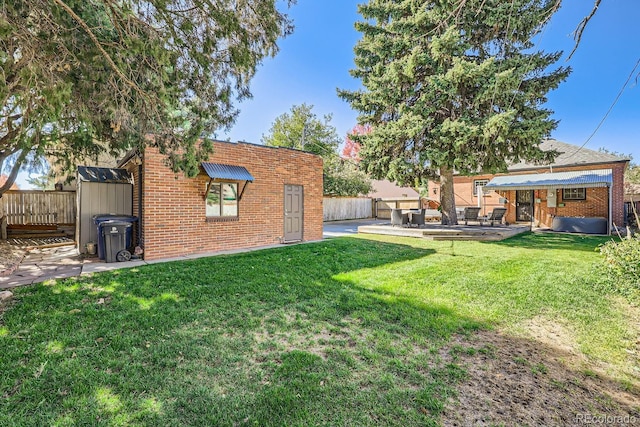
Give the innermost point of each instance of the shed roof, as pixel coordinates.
(536, 181)
(105, 175)
(231, 172)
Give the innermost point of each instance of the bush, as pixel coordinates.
(622, 264)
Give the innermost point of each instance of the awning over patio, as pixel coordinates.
(574, 179)
(230, 172)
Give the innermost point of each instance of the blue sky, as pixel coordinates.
(317, 57)
(315, 60)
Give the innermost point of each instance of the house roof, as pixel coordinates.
(231, 172)
(384, 189)
(535, 181)
(104, 175)
(570, 155)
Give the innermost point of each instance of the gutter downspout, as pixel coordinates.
(533, 212)
(140, 216)
(610, 222)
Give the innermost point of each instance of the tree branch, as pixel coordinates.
(577, 34)
(97, 43)
(14, 172)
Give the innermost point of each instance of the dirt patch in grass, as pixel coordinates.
(297, 332)
(517, 381)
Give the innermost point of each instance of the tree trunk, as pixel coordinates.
(11, 179)
(447, 197)
(3, 227)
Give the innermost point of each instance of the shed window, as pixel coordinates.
(477, 186)
(222, 199)
(574, 194)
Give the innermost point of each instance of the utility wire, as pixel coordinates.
(615, 101)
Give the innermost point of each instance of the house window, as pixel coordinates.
(222, 200)
(574, 194)
(477, 186)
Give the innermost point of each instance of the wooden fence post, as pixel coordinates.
(3, 227)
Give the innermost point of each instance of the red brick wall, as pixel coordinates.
(463, 187)
(595, 205)
(174, 212)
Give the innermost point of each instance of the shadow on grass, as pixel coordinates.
(263, 338)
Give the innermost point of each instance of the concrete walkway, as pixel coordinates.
(40, 265)
(43, 264)
(346, 228)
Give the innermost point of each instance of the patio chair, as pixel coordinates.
(496, 215)
(399, 218)
(417, 217)
(470, 213)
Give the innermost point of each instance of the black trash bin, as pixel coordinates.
(99, 219)
(114, 236)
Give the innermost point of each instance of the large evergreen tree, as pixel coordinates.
(452, 85)
(85, 77)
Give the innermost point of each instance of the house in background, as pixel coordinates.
(3, 179)
(388, 195)
(581, 191)
(246, 196)
(383, 188)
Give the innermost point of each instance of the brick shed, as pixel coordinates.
(246, 195)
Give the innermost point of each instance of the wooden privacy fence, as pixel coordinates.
(342, 208)
(22, 207)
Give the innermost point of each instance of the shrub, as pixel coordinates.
(622, 263)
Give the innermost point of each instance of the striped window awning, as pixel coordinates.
(229, 172)
(536, 181)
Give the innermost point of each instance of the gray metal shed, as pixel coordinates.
(100, 191)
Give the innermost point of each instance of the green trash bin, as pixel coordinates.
(114, 235)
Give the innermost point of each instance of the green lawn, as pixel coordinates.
(341, 332)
